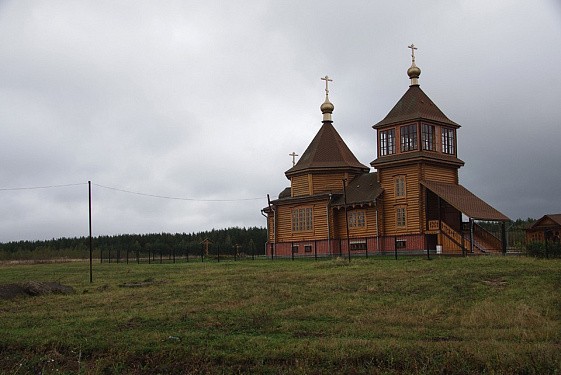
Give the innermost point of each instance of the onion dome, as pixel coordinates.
(327, 107)
(414, 71)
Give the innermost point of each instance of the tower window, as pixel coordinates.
(428, 139)
(401, 217)
(408, 137)
(302, 219)
(400, 186)
(448, 141)
(387, 142)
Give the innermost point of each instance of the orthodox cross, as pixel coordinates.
(327, 80)
(294, 155)
(413, 48)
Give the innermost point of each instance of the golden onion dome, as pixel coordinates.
(327, 106)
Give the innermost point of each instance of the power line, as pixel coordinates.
(42, 187)
(131, 192)
(176, 198)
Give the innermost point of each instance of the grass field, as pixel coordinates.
(496, 315)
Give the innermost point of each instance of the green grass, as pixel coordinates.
(496, 315)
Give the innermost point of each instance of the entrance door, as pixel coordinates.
(432, 240)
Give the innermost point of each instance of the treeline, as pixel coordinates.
(233, 240)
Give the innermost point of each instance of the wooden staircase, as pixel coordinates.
(454, 242)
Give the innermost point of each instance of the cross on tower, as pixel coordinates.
(413, 48)
(327, 80)
(294, 155)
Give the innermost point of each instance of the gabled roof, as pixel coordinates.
(547, 220)
(465, 201)
(364, 188)
(415, 105)
(326, 152)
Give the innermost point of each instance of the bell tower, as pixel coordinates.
(416, 142)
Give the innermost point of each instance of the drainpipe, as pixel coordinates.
(377, 227)
(328, 227)
(272, 208)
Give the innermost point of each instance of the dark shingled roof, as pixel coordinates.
(286, 193)
(327, 151)
(465, 201)
(415, 105)
(362, 189)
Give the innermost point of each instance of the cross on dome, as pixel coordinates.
(413, 48)
(327, 80)
(294, 155)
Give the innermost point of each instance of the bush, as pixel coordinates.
(544, 250)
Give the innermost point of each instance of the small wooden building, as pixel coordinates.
(546, 229)
(413, 202)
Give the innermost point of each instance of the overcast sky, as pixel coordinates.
(204, 100)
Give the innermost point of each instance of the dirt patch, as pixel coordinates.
(33, 288)
(497, 283)
(140, 284)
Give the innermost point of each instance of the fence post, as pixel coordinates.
(292, 249)
(395, 246)
(315, 249)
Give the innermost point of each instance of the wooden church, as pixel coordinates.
(411, 203)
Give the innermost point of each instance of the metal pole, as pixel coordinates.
(503, 237)
(346, 217)
(292, 249)
(90, 222)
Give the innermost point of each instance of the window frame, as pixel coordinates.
(401, 217)
(428, 137)
(400, 186)
(409, 138)
(302, 219)
(358, 245)
(448, 140)
(386, 139)
(357, 218)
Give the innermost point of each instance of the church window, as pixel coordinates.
(357, 219)
(387, 142)
(448, 141)
(302, 219)
(428, 139)
(408, 137)
(401, 217)
(400, 186)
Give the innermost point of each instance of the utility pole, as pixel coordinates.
(90, 222)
